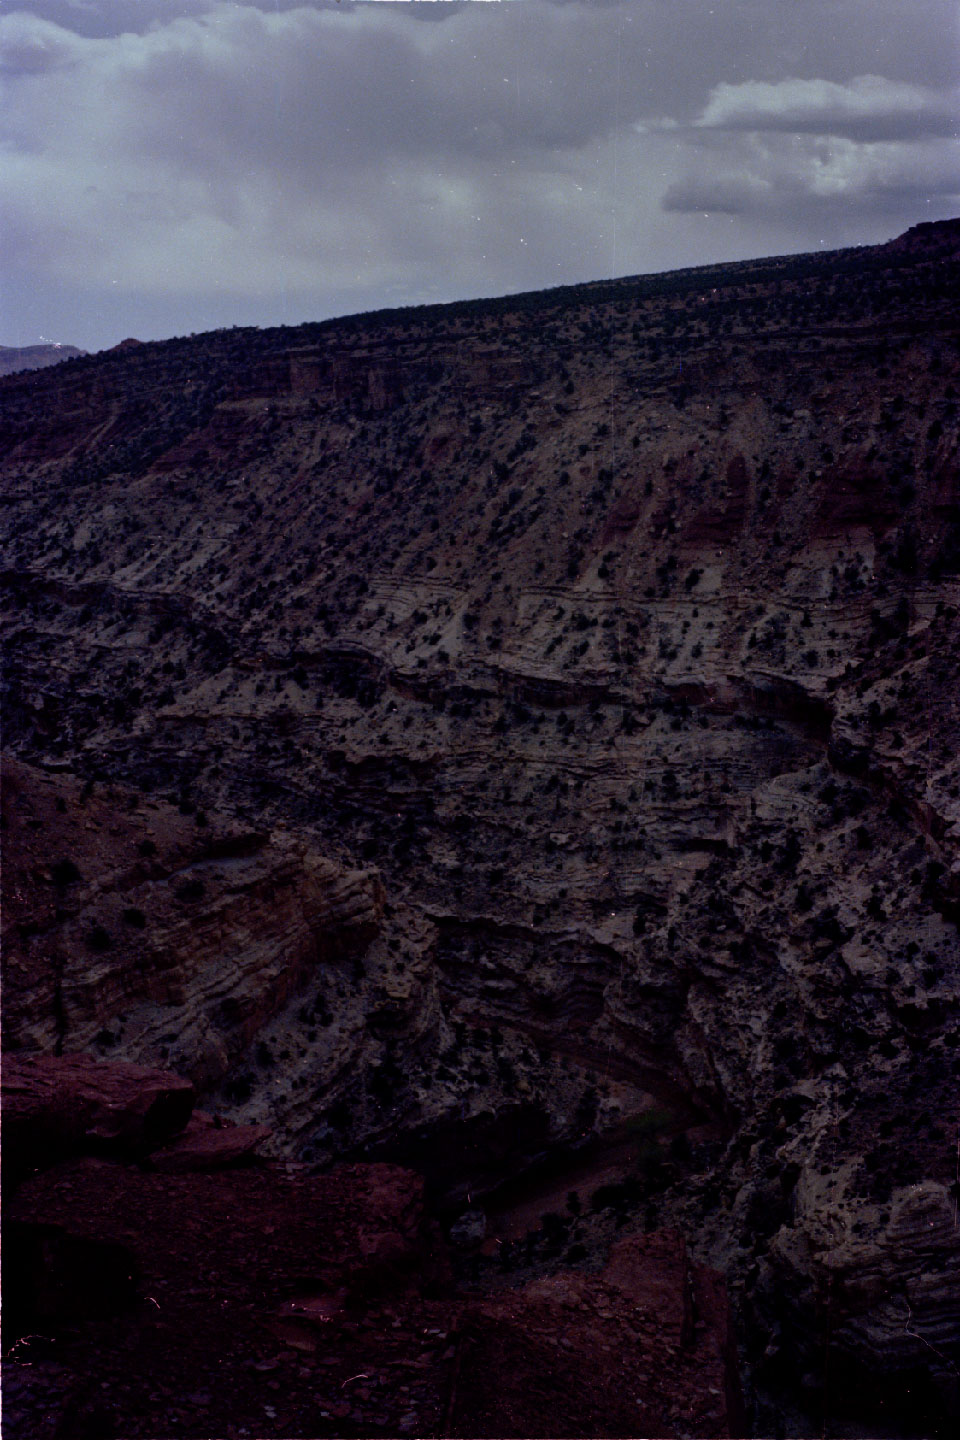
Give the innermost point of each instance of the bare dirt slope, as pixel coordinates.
(616, 629)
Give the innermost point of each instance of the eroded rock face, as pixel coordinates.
(632, 669)
(148, 935)
(896, 1270)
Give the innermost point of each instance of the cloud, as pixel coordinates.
(870, 145)
(33, 46)
(774, 175)
(332, 148)
(868, 107)
(217, 162)
(717, 194)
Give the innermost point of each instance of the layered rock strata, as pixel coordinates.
(145, 934)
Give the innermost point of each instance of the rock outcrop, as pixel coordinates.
(647, 1345)
(57, 1107)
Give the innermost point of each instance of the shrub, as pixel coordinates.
(64, 872)
(239, 1088)
(190, 890)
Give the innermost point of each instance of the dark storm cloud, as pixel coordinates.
(253, 162)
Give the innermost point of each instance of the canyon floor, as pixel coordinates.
(502, 760)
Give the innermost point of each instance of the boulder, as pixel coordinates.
(57, 1106)
(209, 1143)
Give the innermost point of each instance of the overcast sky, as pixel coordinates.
(169, 166)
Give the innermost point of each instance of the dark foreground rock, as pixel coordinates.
(265, 1300)
(55, 1107)
(647, 1345)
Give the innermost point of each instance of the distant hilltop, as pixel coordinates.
(34, 357)
(930, 237)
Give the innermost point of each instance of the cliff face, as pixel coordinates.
(617, 630)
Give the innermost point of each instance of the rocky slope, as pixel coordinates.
(616, 630)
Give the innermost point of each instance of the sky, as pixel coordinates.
(172, 166)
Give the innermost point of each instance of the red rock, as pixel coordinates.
(55, 1106)
(232, 1292)
(237, 1280)
(207, 1145)
(652, 1339)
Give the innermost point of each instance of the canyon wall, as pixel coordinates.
(585, 665)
